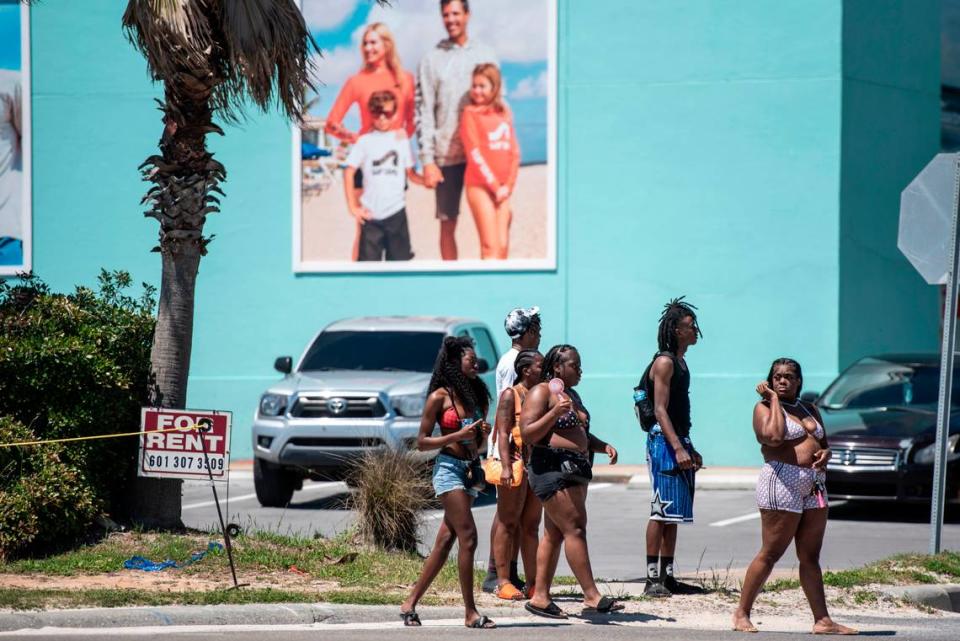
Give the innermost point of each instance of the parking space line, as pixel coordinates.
(736, 519)
(244, 497)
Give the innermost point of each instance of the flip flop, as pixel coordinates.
(605, 606)
(410, 619)
(552, 611)
(483, 622)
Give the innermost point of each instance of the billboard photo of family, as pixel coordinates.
(429, 143)
(15, 245)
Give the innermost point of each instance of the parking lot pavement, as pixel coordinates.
(726, 533)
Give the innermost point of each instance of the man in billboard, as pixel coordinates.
(443, 85)
(11, 168)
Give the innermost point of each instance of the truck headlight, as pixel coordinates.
(409, 405)
(925, 455)
(273, 404)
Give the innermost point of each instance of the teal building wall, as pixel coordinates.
(748, 154)
(891, 129)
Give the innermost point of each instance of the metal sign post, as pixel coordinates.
(946, 376)
(206, 425)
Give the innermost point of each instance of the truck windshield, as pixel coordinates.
(872, 383)
(374, 351)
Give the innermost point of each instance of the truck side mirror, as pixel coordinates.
(284, 364)
(483, 365)
(810, 397)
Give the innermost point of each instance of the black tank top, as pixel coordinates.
(678, 409)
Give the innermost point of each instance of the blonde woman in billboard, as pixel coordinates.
(381, 71)
(493, 160)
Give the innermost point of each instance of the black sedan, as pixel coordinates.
(880, 415)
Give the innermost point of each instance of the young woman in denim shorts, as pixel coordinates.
(557, 425)
(457, 401)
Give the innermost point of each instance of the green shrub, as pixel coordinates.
(392, 490)
(76, 365)
(43, 501)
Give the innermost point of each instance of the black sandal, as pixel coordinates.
(411, 619)
(606, 605)
(483, 622)
(552, 611)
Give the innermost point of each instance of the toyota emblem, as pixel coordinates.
(337, 406)
(847, 457)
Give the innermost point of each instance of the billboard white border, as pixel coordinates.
(26, 201)
(548, 263)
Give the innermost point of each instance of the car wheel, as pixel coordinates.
(274, 485)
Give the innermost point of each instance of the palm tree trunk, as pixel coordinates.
(157, 501)
(185, 177)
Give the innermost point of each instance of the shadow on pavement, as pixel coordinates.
(332, 502)
(621, 617)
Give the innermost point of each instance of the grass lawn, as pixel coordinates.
(298, 569)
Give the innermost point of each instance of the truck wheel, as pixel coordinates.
(274, 485)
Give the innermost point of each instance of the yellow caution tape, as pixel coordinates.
(99, 436)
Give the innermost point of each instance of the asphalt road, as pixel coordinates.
(726, 533)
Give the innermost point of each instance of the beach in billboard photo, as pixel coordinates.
(14, 140)
(429, 143)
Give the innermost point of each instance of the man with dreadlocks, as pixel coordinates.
(671, 458)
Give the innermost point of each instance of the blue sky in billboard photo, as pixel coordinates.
(518, 32)
(9, 35)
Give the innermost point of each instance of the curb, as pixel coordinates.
(192, 615)
(636, 477)
(273, 614)
(940, 597)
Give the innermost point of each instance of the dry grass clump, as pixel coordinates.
(392, 489)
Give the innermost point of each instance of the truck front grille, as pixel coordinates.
(336, 442)
(338, 407)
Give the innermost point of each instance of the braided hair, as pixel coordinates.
(791, 363)
(448, 374)
(525, 359)
(673, 312)
(552, 359)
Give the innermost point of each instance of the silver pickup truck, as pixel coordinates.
(360, 385)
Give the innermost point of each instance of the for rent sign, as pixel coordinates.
(172, 446)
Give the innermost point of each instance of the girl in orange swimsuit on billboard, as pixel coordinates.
(493, 160)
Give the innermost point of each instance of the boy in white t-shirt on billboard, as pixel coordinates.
(385, 158)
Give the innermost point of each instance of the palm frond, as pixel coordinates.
(173, 35)
(266, 50)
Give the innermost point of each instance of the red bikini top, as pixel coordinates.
(450, 419)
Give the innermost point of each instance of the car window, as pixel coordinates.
(373, 351)
(877, 383)
(485, 347)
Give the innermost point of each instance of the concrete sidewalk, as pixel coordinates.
(709, 478)
(943, 597)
